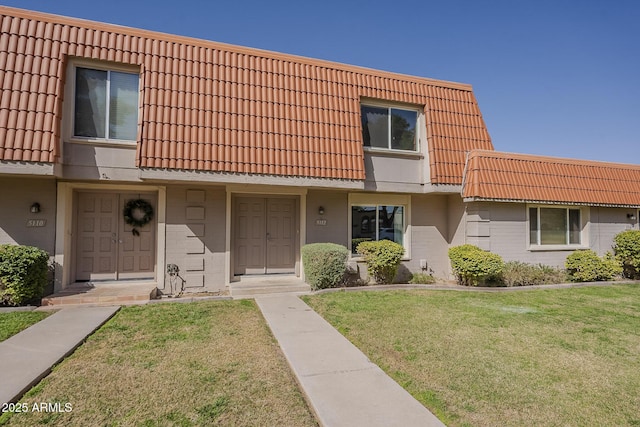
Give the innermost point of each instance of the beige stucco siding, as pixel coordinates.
(428, 231)
(16, 197)
(195, 236)
(430, 234)
(333, 225)
(502, 228)
(85, 161)
(394, 172)
(455, 218)
(606, 223)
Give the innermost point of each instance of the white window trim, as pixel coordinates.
(584, 232)
(69, 107)
(420, 125)
(366, 199)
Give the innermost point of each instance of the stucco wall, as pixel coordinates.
(430, 234)
(195, 236)
(429, 229)
(91, 161)
(16, 197)
(394, 172)
(456, 217)
(502, 228)
(333, 225)
(606, 223)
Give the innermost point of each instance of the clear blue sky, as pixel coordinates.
(553, 77)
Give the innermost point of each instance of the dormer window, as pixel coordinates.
(389, 128)
(106, 105)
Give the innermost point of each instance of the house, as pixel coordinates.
(126, 153)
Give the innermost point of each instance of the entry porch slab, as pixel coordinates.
(260, 285)
(103, 294)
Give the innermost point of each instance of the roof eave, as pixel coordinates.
(547, 202)
(179, 175)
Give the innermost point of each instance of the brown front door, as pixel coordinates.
(264, 235)
(106, 248)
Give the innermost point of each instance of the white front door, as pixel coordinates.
(106, 246)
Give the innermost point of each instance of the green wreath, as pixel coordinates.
(137, 213)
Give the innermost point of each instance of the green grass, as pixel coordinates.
(15, 321)
(551, 357)
(207, 363)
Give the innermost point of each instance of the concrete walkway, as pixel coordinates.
(28, 356)
(342, 386)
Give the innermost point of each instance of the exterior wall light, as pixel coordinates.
(631, 216)
(320, 210)
(35, 208)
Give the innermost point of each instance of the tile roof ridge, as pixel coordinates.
(67, 20)
(551, 159)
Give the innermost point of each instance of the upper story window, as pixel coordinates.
(105, 104)
(389, 128)
(555, 226)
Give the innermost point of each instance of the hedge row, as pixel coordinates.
(473, 266)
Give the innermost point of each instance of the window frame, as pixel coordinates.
(583, 233)
(374, 200)
(70, 104)
(389, 106)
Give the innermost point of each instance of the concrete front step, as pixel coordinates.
(102, 294)
(251, 286)
(265, 290)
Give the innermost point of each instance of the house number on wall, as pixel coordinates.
(321, 222)
(36, 222)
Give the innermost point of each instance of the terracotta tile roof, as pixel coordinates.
(491, 175)
(216, 107)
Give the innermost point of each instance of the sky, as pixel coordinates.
(552, 77)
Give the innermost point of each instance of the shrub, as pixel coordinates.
(324, 264)
(23, 274)
(516, 273)
(627, 249)
(422, 279)
(382, 258)
(473, 266)
(587, 266)
(355, 242)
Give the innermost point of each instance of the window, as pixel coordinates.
(389, 128)
(106, 104)
(377, 222)
(554, 226)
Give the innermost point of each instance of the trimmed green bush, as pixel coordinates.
(355, 242)
(382, 258)
(324, 264)
(587, 266)
(473, 266)
(23, 274)
(422, 279)
(516, 273)
(626, 246)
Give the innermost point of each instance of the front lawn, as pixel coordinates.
(13, 322)
(537, 357)
(206, 363)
